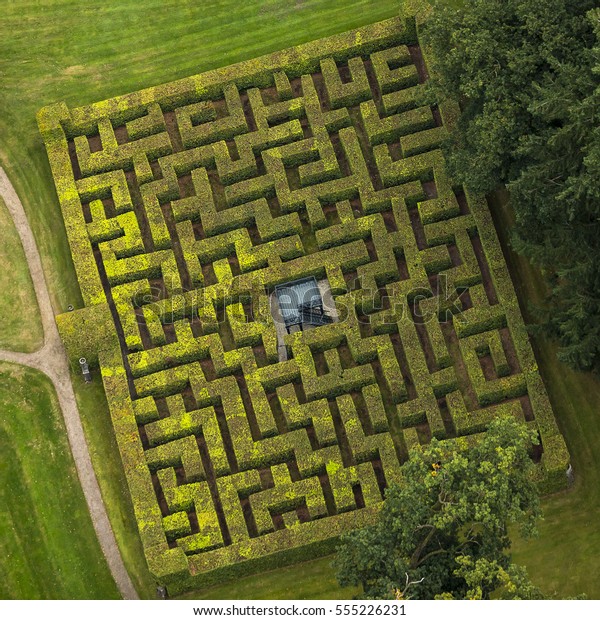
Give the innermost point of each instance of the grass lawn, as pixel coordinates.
(309, 580)
(48, 547)
(21, 326)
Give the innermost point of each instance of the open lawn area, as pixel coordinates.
(48, 547)
(97, 426)
(305, 581)
(21, 327)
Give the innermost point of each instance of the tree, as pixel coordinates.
(527, 76)
(443, 533)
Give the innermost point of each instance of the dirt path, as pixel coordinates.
(52, 361)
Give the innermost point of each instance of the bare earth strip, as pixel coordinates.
(52, 361)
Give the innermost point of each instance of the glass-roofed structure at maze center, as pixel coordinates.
(196, 209)
(301, 305)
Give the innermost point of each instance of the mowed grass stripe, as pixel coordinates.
(21, 325)
(48, 547)
(97, 425)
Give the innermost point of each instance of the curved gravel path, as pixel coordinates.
(52, 361)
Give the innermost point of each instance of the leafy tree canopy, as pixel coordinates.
(527, 76)
(443, 533)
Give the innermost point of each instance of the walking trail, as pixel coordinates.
(52, 361)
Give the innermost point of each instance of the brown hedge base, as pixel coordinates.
(186, 203)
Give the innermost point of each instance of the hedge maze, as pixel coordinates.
(187, 203)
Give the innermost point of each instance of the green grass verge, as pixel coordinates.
(308, 580)
(48, 547)
(21, 326)
(95, 418)
(565, 558)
